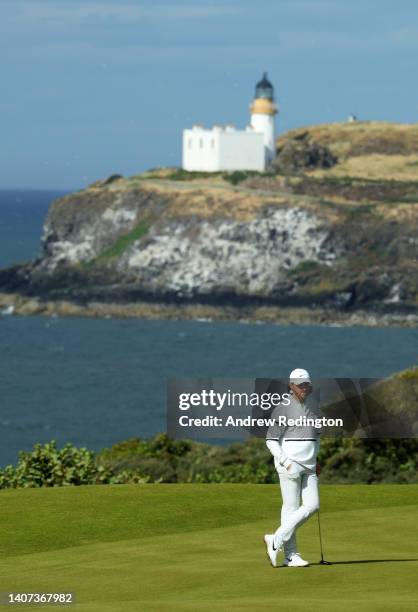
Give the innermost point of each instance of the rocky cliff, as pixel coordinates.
(339, 233)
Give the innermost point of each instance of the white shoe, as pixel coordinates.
(271, 549)
(295, 561)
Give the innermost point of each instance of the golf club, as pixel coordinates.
(322, 561)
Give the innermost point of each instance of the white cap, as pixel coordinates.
(299, 376)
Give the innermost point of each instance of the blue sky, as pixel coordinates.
(93, 87)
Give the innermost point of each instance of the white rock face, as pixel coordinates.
(248, 257)
(89, 239)
(394, 296)
(119, 217)
(71, 252)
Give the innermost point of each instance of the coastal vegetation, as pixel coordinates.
(162, 459)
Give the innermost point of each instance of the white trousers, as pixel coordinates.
(300, 500)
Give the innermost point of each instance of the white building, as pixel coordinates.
(226, 148)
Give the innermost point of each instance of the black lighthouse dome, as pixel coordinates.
(264, 89)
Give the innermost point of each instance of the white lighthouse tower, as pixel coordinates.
(263, 109)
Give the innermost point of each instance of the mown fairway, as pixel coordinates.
(199, 547)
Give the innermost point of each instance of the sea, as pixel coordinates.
(95, 382)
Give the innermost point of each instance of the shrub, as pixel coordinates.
(48, 466)
(162, 459)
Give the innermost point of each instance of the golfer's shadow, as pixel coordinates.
(367, 561)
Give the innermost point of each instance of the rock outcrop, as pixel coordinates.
(314, 239)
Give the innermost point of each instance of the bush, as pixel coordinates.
(343, 460)
(48, 466)
(162, 459)
(350, 460)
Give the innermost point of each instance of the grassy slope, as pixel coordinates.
(361, 138)
(198, 547)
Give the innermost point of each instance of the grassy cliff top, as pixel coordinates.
(361, 137)
(374, 169)
(372, 150)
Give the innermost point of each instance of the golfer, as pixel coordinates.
(295, 449)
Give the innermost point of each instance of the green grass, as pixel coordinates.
(186, 175)
(237, 176)
(120, 246)
(355, 181)
(199, 547)
(410, 198)
(303, 267)
(234, 177)
(355, 211)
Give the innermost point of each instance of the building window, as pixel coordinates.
(201, 143)
(190, 143)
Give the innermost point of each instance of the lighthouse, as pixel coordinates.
(227, 148)
(263, 109)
